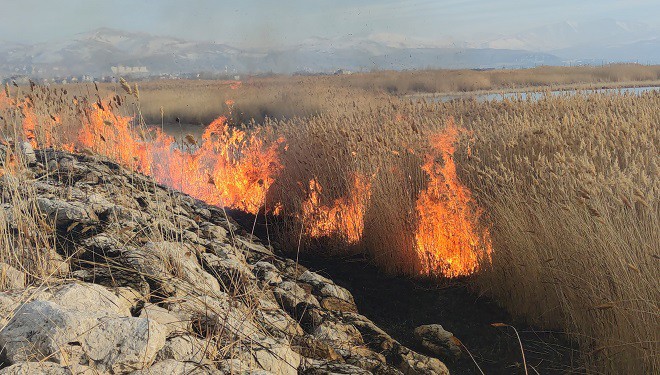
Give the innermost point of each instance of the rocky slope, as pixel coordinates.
(145, 280)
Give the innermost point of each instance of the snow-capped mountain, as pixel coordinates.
(97, 52)
(599, 40)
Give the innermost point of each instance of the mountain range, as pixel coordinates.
(96, 52)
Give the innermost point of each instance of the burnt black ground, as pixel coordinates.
(399, 304)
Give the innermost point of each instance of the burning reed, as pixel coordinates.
(555, 201)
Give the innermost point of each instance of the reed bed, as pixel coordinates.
(568, 186)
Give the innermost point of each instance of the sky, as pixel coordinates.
(250, 23)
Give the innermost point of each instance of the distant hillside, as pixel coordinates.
(96, 52)
(594, 42)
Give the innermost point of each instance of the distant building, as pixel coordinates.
(127, 70)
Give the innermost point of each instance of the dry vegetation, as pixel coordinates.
(570, 189)
(569, 186)
(200, 102)
(456, 81)
(34, 242)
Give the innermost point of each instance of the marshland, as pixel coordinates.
(544, 211)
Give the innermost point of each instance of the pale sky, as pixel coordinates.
(249, 23)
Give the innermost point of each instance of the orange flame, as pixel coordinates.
(113, 136)
(231, 167)
(447, 239)
(236, 168)
(343, 218)
(29, 123)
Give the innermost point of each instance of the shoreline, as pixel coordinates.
(535, 89)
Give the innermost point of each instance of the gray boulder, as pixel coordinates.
(173, 367)
(438, 341)
(46, 368)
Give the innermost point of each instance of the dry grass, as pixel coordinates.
(200, 102)
(31, 242)
(570, 189)
(569, 186)
(455, 81)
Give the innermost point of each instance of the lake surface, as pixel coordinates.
(535, 95)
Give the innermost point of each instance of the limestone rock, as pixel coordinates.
(215, 315)
(325, 288)
(290, 294)
(186, 348)
(236, 366)
(413, 363)
(374, 337)
(182, 262)
(338, 334)
(276, 321)
(213, 232)
(334, 368)
(267, 273)
(46, 368)
(272, 356)
(11, 278)
(173, 324)
(309, 347)
(129, 299)
(86, 297)
(337, 304)
(123, 344)
(43, 329)
(233, 274)
(438, 341)
(28, 153)
(8, 303)
(173, 367)
(65, 213)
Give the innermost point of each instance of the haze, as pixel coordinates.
(250, 23)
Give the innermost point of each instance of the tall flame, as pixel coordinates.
(113, 136)
(36, 130)
(231, 167)
(448, 239)
(343, 218)
(236, 168)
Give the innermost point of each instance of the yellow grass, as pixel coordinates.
(569, 185)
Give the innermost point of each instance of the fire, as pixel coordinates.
(231, 167)
(113, 136)
(29, 123)
(38, 132)
(448, 239)
(343, 218)
(236, 168)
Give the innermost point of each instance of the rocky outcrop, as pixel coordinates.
(437, 340)
(150, 281)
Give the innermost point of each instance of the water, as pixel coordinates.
(539, 94)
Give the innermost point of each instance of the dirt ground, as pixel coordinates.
(400, 304)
